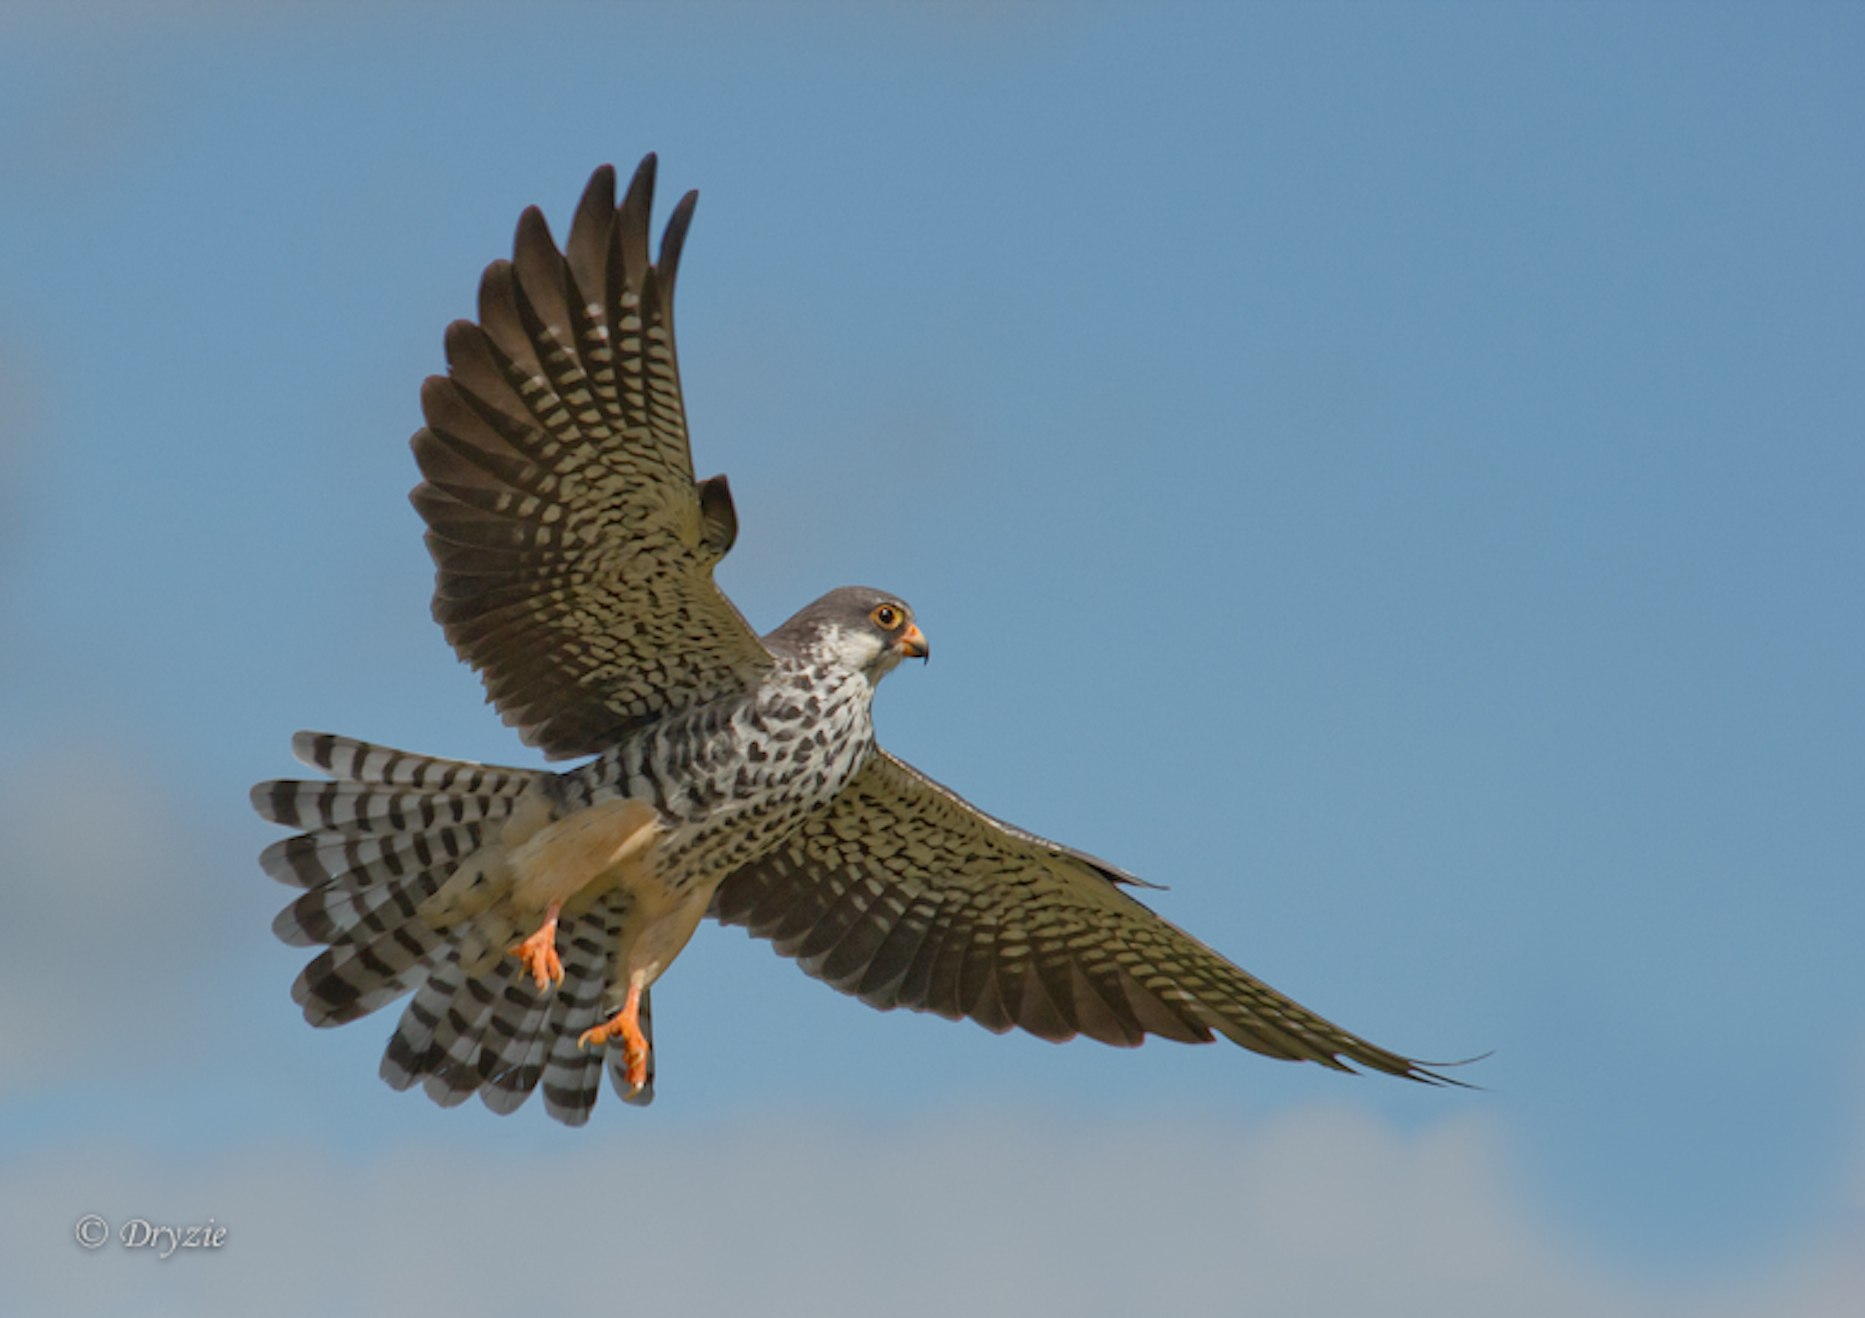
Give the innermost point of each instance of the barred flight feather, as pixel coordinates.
(904, 895)
(559, 491)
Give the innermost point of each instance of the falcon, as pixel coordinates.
(725, 773)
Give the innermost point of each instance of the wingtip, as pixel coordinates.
(641, 183)
(1431, 1073)
(673, 241)
(601, 181)
(532, 234)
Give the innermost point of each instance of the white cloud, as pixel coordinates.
(1322, 1211)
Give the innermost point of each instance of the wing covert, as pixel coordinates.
(573, 549)
(903, 894)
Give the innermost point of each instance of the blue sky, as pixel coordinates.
(1391, 474)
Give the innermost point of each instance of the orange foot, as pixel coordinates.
(538, 953)
(626, 1025)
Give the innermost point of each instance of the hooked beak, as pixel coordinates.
(912, 642)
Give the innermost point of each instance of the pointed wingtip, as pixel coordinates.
(532, 229)
(673, 239)
(588, 243)
(1431, 1073)
(641, 184)
(601, 181)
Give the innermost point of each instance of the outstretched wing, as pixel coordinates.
(905, 895)
(573, 549)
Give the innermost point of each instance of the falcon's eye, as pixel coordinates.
(887, 617)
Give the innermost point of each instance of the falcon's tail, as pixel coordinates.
(379, 844)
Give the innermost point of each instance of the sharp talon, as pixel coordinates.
(538, 954)
(626, 1026)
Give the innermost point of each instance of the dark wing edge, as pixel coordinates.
(573, 549)
(902, 894)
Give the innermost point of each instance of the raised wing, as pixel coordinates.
(573, 549)
(905, 895)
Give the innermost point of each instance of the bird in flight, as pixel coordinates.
(734, 775)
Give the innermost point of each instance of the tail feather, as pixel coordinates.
(363, 762)
(313, 860)
(378, 845)
(517, 1032)
(450, 1038)
(348, 980)
(375, 895)
(410, 1050)
(573, 1074)
(351, 808)
(458, 1065)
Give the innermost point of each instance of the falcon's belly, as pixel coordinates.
(726, 782)
(653, 827)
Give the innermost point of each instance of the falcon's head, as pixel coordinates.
(856, 627)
